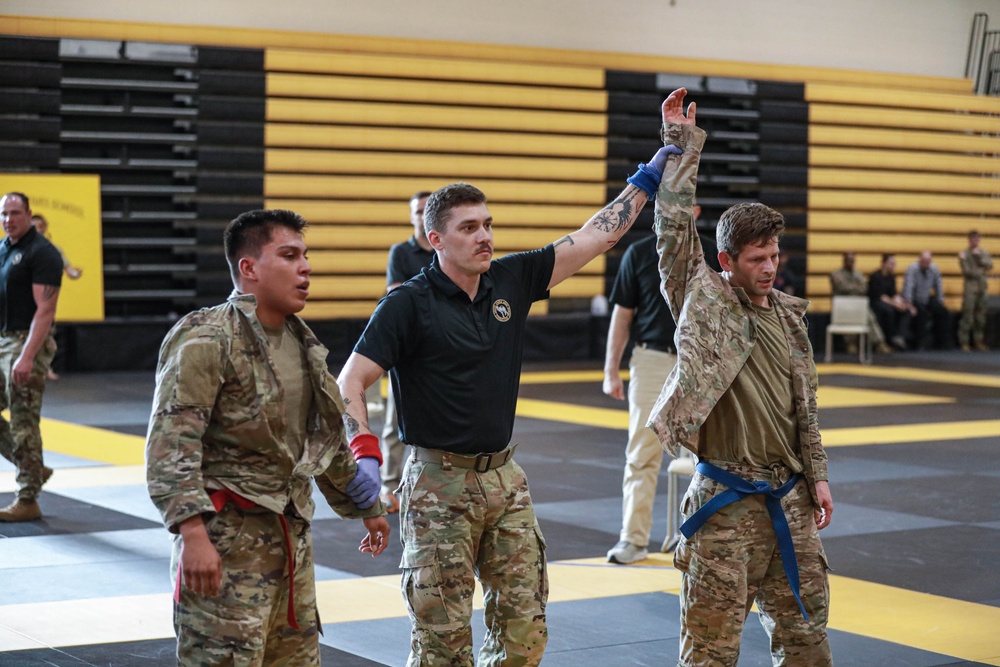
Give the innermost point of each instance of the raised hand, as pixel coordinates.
(673, 108)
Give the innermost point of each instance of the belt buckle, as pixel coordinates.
(488, 458)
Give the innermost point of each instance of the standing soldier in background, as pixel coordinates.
(30, 277)
(245, 415)
(742, 397)
(406, 260)
(637, 299)
(976, 264)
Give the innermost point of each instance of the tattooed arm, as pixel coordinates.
(45, 297)
(601, 232)
(359, 373)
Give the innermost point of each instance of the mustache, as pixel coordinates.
(485, 246)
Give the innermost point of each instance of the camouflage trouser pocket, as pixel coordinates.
(209, 634)
(422, 587)
(543, 574)
(225, 530)
(706, 581)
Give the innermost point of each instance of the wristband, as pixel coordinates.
(647, 179)
(366, 444)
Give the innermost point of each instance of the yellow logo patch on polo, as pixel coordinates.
(501, 310)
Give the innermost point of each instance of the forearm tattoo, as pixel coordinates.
(566, 239)
(351, 424)
(619, 214)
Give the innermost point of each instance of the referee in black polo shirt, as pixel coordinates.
(30, 276)
(452, 338)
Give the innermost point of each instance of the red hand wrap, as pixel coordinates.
(366, 444)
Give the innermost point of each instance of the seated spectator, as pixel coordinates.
(922, 287)
(848, 281)
(892, 311)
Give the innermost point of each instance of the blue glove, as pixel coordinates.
(365, 486)
(648, 177)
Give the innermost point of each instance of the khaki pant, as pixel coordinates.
(734, 561)
(246, 624)
(21, 437)
(643, 453)
(455, 525)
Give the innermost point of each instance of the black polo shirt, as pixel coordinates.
(456, 364)
(637, 286)
(880, 284)
(406, 260)
(33, 260)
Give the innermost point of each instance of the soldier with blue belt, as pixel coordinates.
(742, 397)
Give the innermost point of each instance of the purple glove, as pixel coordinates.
(365, 486)
(659, 160)
(648, 177)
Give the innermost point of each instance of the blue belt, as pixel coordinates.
(740, 488)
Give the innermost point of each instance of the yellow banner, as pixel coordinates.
(71, 203)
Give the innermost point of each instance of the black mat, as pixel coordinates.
(335, 544)
(965, 498)
(952, 561)
(157, 653)
(62, 516)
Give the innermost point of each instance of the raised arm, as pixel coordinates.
(678, 244)
(608, 225)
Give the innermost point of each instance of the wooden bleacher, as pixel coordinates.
(343, 129)
(895, 171)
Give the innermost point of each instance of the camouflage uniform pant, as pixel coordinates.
(974, 304)
(733, 561)
(246, 624)
(643, 453)
(456, 524)
(21, 438)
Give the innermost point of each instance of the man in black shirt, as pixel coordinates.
(452, 338)
(892, 311)
(406, 259)
(637, 301)
(30, 276)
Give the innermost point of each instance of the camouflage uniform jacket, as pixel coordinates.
(218, 421)
(716, 325)
(850, 283)
(975, 268)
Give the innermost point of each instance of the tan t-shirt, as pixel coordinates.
(754, 422)
(290, 364)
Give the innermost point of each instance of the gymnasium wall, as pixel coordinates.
(924, 37)
(190, 125)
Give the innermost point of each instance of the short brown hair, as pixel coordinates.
(443, 200)
(747, 224)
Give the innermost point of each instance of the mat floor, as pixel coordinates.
(914, 547)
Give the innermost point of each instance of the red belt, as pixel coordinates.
(219, 500)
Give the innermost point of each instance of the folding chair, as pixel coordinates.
(682, 466)
(849, 316)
